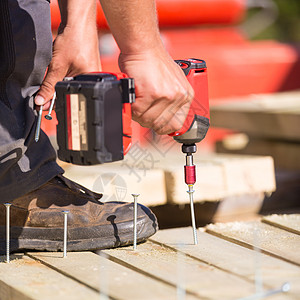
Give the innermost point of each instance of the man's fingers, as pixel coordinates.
(47, 88)
(165, 115)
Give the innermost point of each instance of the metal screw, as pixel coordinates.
(65, 212)
(38, 125)
(283, 289)
(135, 196)
(7, 205)
(48, 116)
(191, 192)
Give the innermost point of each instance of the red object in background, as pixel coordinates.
(236, 66)
(179, 12)
(195, 12)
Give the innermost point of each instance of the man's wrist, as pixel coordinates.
(75, 15)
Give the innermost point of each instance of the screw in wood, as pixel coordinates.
(65, 212)
(7, 205)
(38, 125)
(191, 193)
(265, 294)
(135, 196)
(48, 116)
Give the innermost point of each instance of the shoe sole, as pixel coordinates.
(80, 238)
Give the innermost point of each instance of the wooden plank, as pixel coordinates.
(272, 116)
(287, 222)
(271, 240)
(24, 278)
(169, 265)
(220, 176)
(239, 208)
(285, 154)
(232, 258)
(102, 274)
(117, 182)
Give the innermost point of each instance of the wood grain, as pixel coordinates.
(232, 258)
(274, 116)
(177, 268)
(106, 276)
(24, 278)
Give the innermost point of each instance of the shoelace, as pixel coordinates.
(78, 188)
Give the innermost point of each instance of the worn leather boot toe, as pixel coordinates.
(37, 221)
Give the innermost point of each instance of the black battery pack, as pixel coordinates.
(89, 111)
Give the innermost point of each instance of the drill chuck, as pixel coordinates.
(190, 174)
(189, 170)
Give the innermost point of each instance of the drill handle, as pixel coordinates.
(196, 124)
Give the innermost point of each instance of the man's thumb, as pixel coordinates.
(47, 88)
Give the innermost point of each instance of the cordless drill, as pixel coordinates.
(94, 116)
(94, 119)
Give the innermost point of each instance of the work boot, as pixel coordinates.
(37, 221)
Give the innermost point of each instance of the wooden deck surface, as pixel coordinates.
(226, 263)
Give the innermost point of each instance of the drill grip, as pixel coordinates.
(196, 124)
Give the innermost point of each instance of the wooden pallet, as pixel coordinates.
(223, 265)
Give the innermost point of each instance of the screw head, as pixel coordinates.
(48, 117)
(286, 287)
(135, 195)
(65, 212)
(7, 204)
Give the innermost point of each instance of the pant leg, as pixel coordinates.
(25, 52)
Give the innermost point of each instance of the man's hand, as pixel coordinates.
(163, 94)
(75, 48)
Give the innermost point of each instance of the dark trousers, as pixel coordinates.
(25, 52)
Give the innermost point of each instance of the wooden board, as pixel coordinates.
(104, 275)
(24, 278)
(117, 183)
(177, 268)
(279, 243)
(168, 266)
(218, 176)
(285, 154)
(232, 258)
(287, 222)
(274, 116)
(221, 176)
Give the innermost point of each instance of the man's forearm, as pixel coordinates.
(133, 24)
(75, 49)
(74, 13)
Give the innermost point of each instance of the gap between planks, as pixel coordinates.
(270, 240)
(290, 222)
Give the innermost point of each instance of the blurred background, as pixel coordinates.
(252, 51)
